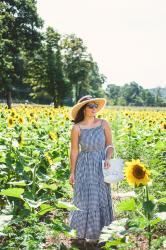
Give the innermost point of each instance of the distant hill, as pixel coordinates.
(162, 91)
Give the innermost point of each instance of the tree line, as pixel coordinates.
(48, 66)
(133, 94)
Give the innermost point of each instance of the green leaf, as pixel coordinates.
(162, 207)
(161, 200)
(67, 205)
(18, 183)
(127, 205)
(155, 221)
(72, 233)
(116, 242)
(33, 203)
(135, 230)
(138, 222)
(48, 186)
(13, 192)
(45, 208)
(148, 206)
(27, 169)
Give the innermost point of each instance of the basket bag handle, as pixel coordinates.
(115, 153)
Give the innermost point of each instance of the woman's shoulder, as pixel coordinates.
(104, 123)
(75, 127)
(75, 130)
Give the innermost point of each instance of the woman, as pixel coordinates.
(91, 194)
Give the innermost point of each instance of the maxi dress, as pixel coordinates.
(90, 193)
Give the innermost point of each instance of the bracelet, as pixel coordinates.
(109, 146)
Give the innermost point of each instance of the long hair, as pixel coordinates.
(80, 115)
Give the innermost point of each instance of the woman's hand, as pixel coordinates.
(72, 179)
(107, 164)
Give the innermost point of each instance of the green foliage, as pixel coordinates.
(80, 68)
(49, 67)
(127, 205)
(33, 178)
(42, 65)
(13, 192)
(35, 195)
(134, 95)
(19, 24)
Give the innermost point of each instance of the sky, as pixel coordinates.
(127, 38)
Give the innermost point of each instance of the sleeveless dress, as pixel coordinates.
(90, 193)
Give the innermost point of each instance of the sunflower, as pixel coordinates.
(48, 158)
(21, 120)
(10, 122)
(20, 139)
(136, 173)
(52, 135)
(164, 126)
(13, 113)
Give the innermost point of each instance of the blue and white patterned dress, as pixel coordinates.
(90, 193)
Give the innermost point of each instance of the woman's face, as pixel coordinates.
(90, 110)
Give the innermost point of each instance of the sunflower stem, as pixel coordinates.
(148, 216)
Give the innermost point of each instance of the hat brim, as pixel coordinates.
(100, 101)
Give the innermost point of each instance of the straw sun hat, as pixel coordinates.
(85, 99)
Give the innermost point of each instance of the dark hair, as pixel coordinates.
(80, 115)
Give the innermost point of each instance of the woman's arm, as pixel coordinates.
(108, 137)
(74, 150)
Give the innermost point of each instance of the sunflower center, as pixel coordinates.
(138, 172)
(10, 121)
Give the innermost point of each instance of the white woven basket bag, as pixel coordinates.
(113, 174)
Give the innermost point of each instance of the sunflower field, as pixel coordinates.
(35, 194)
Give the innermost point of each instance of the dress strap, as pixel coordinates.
(79, 128)
(102, 122)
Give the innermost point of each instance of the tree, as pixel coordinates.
(113, 93)
(149, 98)
(57, 85)
(80, 69)
(95, 81)
(159, 99)
(131, 92)
(46, 74)
(19, 24)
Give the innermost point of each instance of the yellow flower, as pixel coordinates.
(52, 136)
(48, 158)
(21, 120)
(10, 122)
(20, 139)
(136, 173)
(13, 113)
(164, 126)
